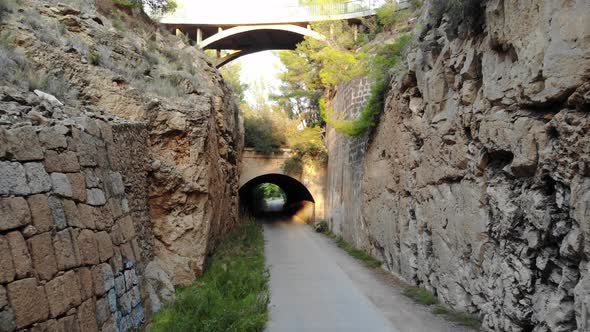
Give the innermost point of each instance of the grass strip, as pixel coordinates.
(232, 294)
(460, 318)
(361, 255)
(424, 297)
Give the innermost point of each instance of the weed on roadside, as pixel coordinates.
(232, 294)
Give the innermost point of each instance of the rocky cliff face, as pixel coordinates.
(139, 132)
(476, 182)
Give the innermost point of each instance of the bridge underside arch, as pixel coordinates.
(250, 39)
(299, 202)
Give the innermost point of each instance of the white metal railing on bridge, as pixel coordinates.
(191, 12)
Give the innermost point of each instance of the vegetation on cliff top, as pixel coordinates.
(232, 294)
(343, 58)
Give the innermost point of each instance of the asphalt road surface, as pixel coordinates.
(316, 286)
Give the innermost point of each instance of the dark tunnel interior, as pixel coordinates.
(299, 202)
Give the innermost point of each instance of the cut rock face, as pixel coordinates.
(475, 182)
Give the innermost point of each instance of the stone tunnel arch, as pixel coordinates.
(299, 202)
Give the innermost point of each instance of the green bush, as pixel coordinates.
(263, 133)
(389, 14)
(232, 294)
(293, 166)
(387, 58)
(127, 4)
(94, 58)
(420, 295)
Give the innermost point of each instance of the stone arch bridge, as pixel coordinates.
(305, 192)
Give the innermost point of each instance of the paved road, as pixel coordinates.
(316, 286)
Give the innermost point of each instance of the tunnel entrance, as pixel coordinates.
(276, 195)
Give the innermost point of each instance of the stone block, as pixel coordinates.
(116, 261)
(78, 184)
(43, 256)
(66, 250)
(95, 196)
(112, 299)
(3, 142)
(54, 137)
(125, 323)
(24, 152)
(14, 213)
(117, 234)
(127, 254)
(87, 316)
(131, 278)
(68, 324)
(7, 271)
(87, 287)
(106, 220)
(117, 185)
(61, 184)
(57, 212)
(137, 316)
(127, 228)
(7, 322)
(115, 207)
(63, 293)
(106, 131)
(136, 248)
(72, 214)
(37, 179)
(102, 157)
(88, 215)
(13, 179)
(102, 278)
(73, 289)
(40, 213)
(125, 303)
(125, 205)
(103, 311)
(66, 162)
(20, 255)
(28, 301)
(120, 287)
(88, 247)
(89, 124)
(135, 296)
(56, 297)
(110, 325)
(3, 297)
(105, 246)
(92, 180)
(87, 152)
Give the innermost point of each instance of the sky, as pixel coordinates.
(261, 66)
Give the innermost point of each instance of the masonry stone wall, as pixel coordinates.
(69, 250)
(345, 162)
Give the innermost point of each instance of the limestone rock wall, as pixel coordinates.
(476, 182)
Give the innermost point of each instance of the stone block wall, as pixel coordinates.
(345, 163)
(69, 250)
